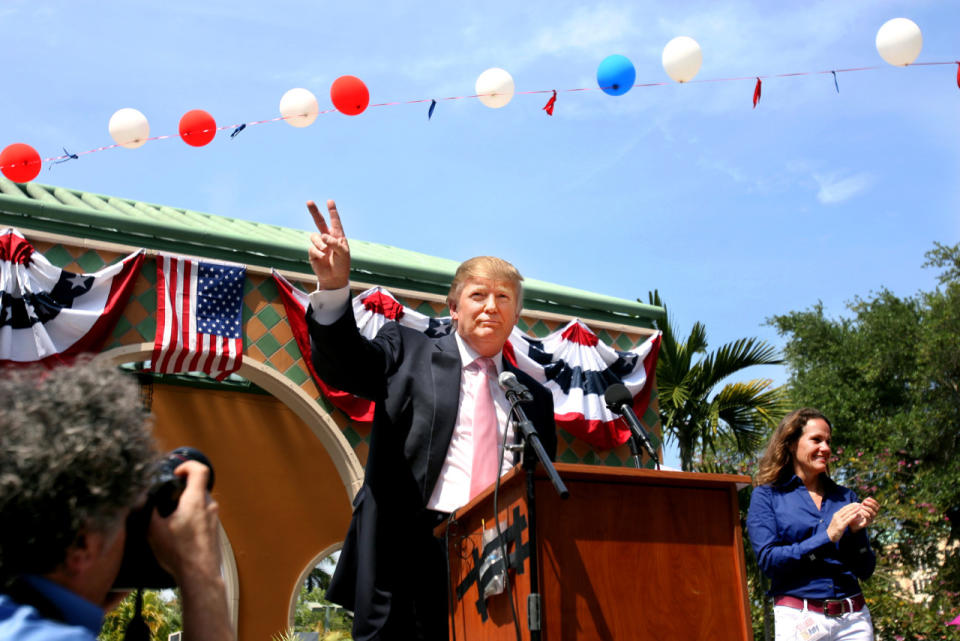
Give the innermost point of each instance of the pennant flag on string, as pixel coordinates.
(835, 83)
(199, 307)
(433, 105)
(572, 363)
(958, 75)
(756, 94)
(49, 315)
(238, 130)
(66, 157)
(549, 106)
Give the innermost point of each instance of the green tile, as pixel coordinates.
(604, 336)
(58, 256)
(425, 309)
(271, 365)
(613, 460)
(149, 301)
(623, 343)
(268, 316)
(247, 286)
(539, 329)
(122, 327)
(565, 435)
(650, 465)
(269, 290)
(323, 402)
(292, 348)
(268, 344)
(522, 324)
(352, 437)
(90, 261)
(148, 328)
(650, 417)
(590, 458)
(296, 374)
(569, 456)
(149, 271)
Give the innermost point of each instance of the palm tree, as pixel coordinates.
(741, 411)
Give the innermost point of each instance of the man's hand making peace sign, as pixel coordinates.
(329, 251)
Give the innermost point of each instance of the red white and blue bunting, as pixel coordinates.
(49, 315)
(572, 363)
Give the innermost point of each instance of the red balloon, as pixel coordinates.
(197, 128)
(349, 95)
(20, 162)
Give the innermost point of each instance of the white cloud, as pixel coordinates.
(835, 189)
(593, 29)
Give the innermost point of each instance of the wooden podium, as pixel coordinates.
(632, 554)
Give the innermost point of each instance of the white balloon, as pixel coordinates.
(682, 58)
(129, 128)
(299, 107)
(899, 41)
(495, 87)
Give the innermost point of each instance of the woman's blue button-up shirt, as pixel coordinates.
(789, 536)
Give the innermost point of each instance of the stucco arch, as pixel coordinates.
(329, 437)
(306, 408)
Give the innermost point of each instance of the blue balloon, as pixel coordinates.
(616, 75)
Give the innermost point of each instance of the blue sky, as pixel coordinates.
(735, 214)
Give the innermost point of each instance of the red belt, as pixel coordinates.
(829, 607)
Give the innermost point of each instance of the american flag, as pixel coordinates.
(198, 317)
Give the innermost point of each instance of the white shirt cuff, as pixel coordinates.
(329, 304)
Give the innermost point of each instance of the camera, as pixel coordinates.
(139, 568)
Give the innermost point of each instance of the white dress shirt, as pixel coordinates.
(453, 486)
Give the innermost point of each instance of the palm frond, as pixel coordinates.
(730, 358)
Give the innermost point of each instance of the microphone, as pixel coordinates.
(620, 401)
(514, 389)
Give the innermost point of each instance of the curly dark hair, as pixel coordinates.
(75, 452)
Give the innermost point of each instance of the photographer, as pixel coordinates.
(75, 457)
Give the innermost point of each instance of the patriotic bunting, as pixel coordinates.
(49, 315)
(572, 363)
(199, 307)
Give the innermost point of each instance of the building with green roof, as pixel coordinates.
(288, 462)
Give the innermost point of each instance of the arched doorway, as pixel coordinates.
(285, 478)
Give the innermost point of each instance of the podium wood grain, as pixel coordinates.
(632, 554)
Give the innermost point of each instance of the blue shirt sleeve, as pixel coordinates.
(773, 555)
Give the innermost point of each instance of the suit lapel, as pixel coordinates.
(445, 372)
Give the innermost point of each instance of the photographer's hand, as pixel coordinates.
(186, 545)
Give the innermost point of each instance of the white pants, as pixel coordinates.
(852, 626)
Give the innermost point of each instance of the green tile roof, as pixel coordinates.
(137, 224)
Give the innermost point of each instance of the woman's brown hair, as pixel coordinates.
(777, 459)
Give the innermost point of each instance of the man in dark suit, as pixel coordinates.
(439, 422)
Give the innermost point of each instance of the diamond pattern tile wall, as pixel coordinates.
(269, 339)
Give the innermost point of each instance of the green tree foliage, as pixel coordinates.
(161, 612)
(887, 376)
(314, 613)
(743, 411)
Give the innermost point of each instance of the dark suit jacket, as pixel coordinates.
(415, 382)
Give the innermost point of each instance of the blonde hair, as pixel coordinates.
(485, 267)
(777, 458)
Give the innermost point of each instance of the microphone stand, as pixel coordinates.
(634, 450)
(524, 427)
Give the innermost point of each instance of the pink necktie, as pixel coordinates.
(484, 470)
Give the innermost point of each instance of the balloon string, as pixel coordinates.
(61, 158)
